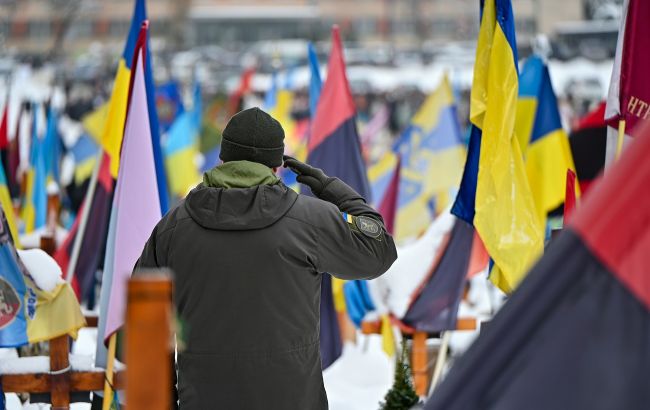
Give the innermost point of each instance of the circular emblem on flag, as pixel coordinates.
(9, 303)
(368, 226)
(166, 109)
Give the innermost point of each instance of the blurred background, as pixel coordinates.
(212, 58)
(395, 50)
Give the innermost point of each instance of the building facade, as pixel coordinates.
(48, 25)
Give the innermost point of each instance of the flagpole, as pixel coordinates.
(440, 360)
(621, 137)
(85, 213)
(108, 383)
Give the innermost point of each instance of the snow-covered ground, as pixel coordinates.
(361, 377)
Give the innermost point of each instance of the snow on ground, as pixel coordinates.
(13, 403)
(33, 239)
(361, 377)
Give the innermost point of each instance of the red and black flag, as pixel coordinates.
(91, 252)
(4, 137)
(576, 333)
(435, 308)
(334, 147)
(588, 145)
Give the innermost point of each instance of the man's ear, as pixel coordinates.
(275, 170)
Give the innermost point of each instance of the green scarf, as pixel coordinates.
(239, 174)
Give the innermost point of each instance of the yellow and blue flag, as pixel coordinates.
(541, 137)
(494, 195)
(34, 210)
(84, 152)
(315, 82)
(380, 175)
(182, 147)
(278, 102)
(113, 132)
(28, 312)
(432, 153)
(5, 203)
(52, 146)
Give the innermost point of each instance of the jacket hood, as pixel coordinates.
(239, 174)
(239, 209)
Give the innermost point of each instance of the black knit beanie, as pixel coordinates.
(253, 135)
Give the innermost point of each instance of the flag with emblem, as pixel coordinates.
(169, 104)
(628, 101)
(432, 153)
(380, 176)
(34, 305)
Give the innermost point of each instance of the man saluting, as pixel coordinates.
(248, 254)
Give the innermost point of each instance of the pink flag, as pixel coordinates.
(136, 203)
(374, 126)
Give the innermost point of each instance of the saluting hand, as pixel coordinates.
(314, 178)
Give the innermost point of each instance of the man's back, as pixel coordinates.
(248, 265)
(248, 256)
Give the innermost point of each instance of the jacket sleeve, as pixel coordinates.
(352, 240)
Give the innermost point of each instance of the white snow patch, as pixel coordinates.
(41, 364)
(42, 267)
(360, 378)
(392, 292)
(33, 239)
(8, 353)
(52, 188)
(15, 405)
(22, 365)
(86, 342)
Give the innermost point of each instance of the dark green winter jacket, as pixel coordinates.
(248, 254)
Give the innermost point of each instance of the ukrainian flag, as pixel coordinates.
(380, 174)
(34, 211)
(432, 153)
(113, 131)
(315, 82)
(278, 102)
(542, 138)
(32, 313)
(494, 194)
(7, 205)
(84, 152)
(182, 147)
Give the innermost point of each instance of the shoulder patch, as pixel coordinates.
(368, 226)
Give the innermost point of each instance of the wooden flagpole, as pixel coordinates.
(110, 362)
(621, 137)
(440, 361)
